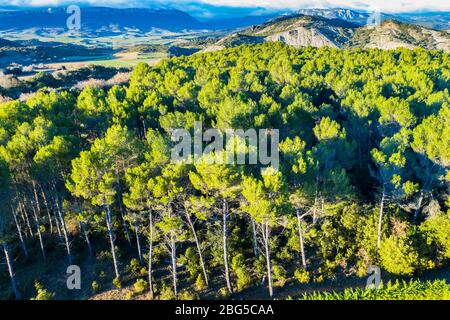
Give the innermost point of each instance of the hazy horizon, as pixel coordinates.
(206, 9)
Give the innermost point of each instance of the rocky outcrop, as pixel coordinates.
(301, 31)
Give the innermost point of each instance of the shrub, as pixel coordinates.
(437, 235)
(186, 295)
(166, 292)
(117, 283)
(143, 272)
(191, 260)
(239, 268)
(134, 268)
(397, 256)
(223, 292)
(302, 275)
(104, 256)
(200, 283)
(42, 293)
(319, 278)
(413, 290)
(140, 286)
(278, 275)
(259, 267)
(95, 287)
(129, 295)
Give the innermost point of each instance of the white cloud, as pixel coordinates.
(383, 5)
(391, 6)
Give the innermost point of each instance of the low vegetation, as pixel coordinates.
(413, 290)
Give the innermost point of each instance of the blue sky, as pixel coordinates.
(206, 8)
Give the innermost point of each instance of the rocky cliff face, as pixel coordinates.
(296, 30)
(393, 34)
(301, 31)
(354, 16)
(302, 37)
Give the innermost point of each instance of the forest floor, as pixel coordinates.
(52, 275)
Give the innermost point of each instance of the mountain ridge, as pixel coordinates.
(302, 30)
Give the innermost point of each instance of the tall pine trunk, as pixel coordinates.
(19, 232)
(38, 230)
(12, 274)
(255, 240)
(419, 206)
(57, 222)
(150, 254)
(50, 220)
(26, 218)
(111, 239)
(380, 219)
(266, 236)
(86, 237)
(225, 249)
(316, 197)
(64, 228)
(197, 243)
(123, 213)
(173, 255)
(138, 241)
(300, 236)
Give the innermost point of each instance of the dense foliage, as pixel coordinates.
(363, 178)
(413, 290)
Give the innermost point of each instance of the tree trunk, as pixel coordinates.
(266, 232)
(300, 236)
(57, 220)
(315, 210)
(173, 253)
(36, 199)
(255, 240)
(225, 250)
(174, 262)
(64, 229)
(150, 255)
(197, 243)
(111, 239)
(12, 274)
(316, 196)
(419, 206)
(124, 223)
(19, 232)
(38, 229)
(86, 237)
(26, 218)
(122, 214)
(50, 220)
(144, 127)
(380, 221)
(57, 224)
(138, 242)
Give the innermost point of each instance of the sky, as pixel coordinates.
(211, 7)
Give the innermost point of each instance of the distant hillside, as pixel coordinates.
(433, 20)
(357, 17)
(29, 52)
(100, 20)
(392, 34)
(301, 30)
(297, 30)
